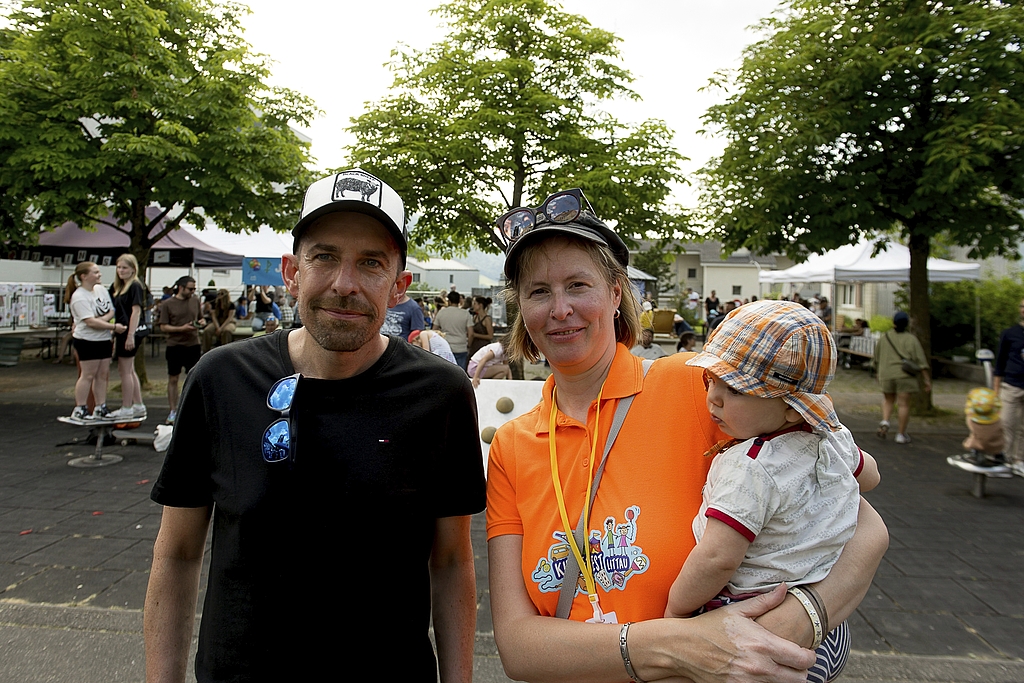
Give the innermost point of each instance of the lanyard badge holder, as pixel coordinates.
(577, 563)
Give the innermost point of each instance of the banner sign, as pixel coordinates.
(261, 271)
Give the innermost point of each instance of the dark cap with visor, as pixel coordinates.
(358, 191)
(585, 226)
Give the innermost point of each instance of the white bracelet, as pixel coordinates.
(812, 613)
(624, 651)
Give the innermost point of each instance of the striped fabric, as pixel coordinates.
(832, 655)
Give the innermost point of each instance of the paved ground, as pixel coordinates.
(75, 548)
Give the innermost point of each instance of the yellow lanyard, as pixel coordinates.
(583, 558)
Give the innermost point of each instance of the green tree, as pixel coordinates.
(894, 118)
(503, 112)
(113, 106)
(655, 261)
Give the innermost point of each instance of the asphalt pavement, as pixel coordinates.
(76, 546)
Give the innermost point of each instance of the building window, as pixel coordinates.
(415, 277)
(850, 295)
(691, 273)
(737, 290)
(451, 278)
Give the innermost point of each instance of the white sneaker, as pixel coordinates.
(79, 413)
(1017, 468)
(883, 429)
(902, 438)
(122, 413)
(139, 410)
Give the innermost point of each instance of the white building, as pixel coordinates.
(441, 274)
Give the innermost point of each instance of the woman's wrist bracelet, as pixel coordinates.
(624, 651)
(820, 604)
(812, 612)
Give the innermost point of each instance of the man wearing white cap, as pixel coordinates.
(334, 522)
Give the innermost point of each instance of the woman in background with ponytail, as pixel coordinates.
(92, 310)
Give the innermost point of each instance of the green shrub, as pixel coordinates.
(953, 306)
(880, 323)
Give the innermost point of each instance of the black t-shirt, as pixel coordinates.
(133, 296)
(327, 554)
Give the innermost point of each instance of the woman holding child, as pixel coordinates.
(567, 275)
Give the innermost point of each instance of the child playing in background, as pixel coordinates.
(985, 441)
(781, 499)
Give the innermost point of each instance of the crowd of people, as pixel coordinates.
(339, 409)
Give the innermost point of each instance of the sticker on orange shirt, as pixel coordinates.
(613, 553)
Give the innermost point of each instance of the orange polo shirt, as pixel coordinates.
(639, 531)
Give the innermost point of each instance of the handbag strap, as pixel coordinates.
(572, 567)
(894, 347)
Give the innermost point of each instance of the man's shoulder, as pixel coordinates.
(265, 351)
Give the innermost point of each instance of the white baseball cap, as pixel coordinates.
(354, 190)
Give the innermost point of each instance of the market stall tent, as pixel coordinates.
(855, 263)
(180, 248)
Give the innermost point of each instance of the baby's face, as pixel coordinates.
(744, 417)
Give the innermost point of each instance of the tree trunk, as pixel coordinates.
(920, 308)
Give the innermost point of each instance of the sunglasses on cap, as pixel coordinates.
(561, 207)
(279, 439)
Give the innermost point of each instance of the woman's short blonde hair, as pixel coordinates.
(518, 343)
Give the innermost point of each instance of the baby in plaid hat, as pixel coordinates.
(782, 497)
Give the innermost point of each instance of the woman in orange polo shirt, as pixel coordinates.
(566, 274)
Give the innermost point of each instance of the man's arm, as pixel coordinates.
(453, 598)
(173, 589)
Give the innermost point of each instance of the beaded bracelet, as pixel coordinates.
(624, 651)
(812, 612)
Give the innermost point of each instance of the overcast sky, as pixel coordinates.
(335, 53)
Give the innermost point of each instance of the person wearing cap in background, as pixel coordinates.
(985, 438)
(336, 528)
(270, 325)
(586, 521)
(891, 350)
(782, 498)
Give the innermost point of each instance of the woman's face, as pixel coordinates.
(568, 306)
(91, 277)
(125, 271)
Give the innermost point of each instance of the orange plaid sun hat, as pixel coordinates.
(776, 349)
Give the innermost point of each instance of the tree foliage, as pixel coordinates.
(111, 106)
(504, 111)
(867, 117)
(955, 305)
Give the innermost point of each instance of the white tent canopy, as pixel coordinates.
(266, 243)
(854, 263)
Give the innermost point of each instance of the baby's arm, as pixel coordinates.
(708, 568)
(868, 476)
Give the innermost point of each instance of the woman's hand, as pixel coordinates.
(119, 328)
(722, 645)
(129, 342)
